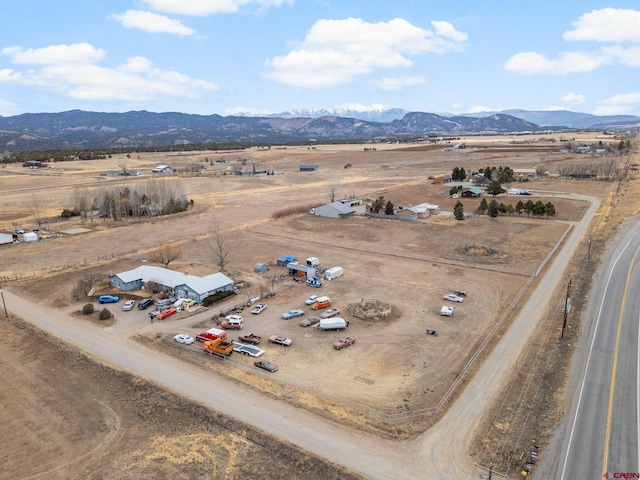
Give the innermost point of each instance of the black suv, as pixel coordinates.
(145, 303)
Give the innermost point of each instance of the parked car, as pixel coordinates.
(162, 314)
(145, 303)
(311, 299)
(259, 308)
(332, 312)
(245, 349)
(266, 365)
(284, 341)
(292, 314)
(183, 338)
(460, 293)
(250, 338)
(344, 342)
(188, 302)
(108, 299)
(453, 298)
(128, 305)
(232, 322)
(309, 321)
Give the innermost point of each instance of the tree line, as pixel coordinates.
(150, 199)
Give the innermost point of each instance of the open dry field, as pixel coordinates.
(394, 370)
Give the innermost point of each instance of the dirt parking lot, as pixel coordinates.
(394, 367)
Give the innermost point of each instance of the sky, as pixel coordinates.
(229, 57)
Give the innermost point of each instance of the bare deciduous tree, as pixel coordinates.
(166, 254)
(87, 281)
(36, 210)
(124, 166)
(221, 247)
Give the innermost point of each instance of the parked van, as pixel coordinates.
(334, 323)
(232, 322)
(333, 272)
(321, 302)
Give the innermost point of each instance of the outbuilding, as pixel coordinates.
(30, 237)
(333, 210)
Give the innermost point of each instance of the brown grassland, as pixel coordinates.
(393, 381)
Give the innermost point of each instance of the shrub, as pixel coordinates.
(87, 309)
(216, 297)
(105, 314)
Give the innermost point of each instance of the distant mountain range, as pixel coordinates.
(79, 129)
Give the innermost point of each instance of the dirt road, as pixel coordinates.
(439, 453)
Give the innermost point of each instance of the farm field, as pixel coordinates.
(394, 368)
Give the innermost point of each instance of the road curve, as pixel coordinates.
(440, 453)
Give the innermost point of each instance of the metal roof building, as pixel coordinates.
(181, 285)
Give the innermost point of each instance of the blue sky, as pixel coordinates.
(268, 56)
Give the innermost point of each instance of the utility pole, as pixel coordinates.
(6, 313)
(567, 307)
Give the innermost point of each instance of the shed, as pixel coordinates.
(30, 237)
(260, 267)
(333, 210)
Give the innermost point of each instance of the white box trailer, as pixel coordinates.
(334, 323)
(333, 272)
(446, 311)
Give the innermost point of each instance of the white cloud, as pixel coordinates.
(361, 107)
(78, 76)
(479, 109)
(76, 53)
(334, 52)
(607, 25)
(457, 106)
(626, 56)
(152, 22)
(573, 98)
(210, 7)
(619, 104)
(529, 63)
(398, 83)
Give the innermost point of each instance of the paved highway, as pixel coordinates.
(601, 434)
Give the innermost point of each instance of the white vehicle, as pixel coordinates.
(333, 272)
(245, 349)
(259, 308)
(311, 299)
(334, 323)
(453, 298)
(183, 338)
(446, 311)
(128, 305)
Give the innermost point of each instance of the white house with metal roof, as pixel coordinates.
(181, 285)
(423, 210)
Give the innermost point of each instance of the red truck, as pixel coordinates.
(211, 334)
